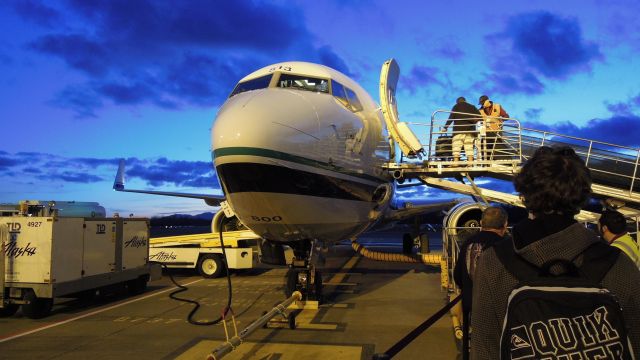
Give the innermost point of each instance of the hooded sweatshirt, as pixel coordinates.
(538, 241)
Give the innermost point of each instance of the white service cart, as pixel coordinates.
(204, 251)
(45, 257)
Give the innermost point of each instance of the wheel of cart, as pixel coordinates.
(8, 310)
(210, 266)
(36, 308)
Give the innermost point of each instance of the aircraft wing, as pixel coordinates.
(118, 185)
(407, 212)
(392, 216)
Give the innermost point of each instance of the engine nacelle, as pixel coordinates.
(230, 224)
(463, 220)
(269, 253)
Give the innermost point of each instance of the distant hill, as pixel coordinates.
(203, 219)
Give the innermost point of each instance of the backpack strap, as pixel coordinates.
(597, 260)
(517, 266)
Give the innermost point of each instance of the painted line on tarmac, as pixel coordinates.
(344, 271)
(94, 312)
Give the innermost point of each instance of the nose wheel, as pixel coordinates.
(308, 281)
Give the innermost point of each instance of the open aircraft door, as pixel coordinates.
(399, 131)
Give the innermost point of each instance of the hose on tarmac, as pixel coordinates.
(182, 288)
(428, 259)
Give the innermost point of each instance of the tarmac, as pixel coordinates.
(368, 307)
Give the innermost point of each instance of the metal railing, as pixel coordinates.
(614, 168)
(611, 165)
(452, 240)
(467, 141)
(492, 140)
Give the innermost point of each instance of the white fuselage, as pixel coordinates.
(298, 163)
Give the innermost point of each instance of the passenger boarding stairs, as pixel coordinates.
(500, 154)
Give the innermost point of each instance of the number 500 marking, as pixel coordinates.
(266, 218)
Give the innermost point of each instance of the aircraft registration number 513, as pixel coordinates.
(266, 218)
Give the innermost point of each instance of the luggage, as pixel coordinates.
(563, 316)
(444, 147)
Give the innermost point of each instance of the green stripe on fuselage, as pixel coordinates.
(218, 153)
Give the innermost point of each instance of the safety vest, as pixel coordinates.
(492, 122)
(629, 247)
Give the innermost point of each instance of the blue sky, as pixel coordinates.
(84, 83)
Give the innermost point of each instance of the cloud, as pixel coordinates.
(450, 51)
(7, 162)
(171, 54)
(617, 129)
(624, 108)
(56, 169)
(30, 170)
(153, 23)
(78, 51)
(37, 12)
(551, 44)
(74, 177)
(420, 77)
(533, 114)
(535, 46)
(179, 173)
(332, 60)
(83, 100)
(510, 82)
(126, 93)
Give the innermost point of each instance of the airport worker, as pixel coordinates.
(464, 117)
(493, 116)
(493, 226)
(613, 228)
(554, 184)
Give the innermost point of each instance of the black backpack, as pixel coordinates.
(567, 316)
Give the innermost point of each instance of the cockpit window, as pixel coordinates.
(354, 102)
(346, 96)
(303, 83)
(253, 84)
(338, 92)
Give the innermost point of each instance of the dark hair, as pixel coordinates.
(614, 221)
(461, 99)
(494, 217)
(554, 180)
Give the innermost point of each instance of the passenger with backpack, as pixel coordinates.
(556, 291)
(493, 226)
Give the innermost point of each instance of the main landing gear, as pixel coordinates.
(303, 275)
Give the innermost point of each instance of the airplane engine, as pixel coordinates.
(230, 224)
(463, 220)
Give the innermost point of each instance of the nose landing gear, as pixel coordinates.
(306, 280)
(303, 275)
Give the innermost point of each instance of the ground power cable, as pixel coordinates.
(407, 339)
(182, 288)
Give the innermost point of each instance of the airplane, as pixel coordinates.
(298, 149)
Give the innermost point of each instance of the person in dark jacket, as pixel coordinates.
(554, 185)
(493, 228)
(464, 117)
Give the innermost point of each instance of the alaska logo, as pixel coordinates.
(12, 250)
(136, 242)
(163, 256)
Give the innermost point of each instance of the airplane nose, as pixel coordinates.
(264, 119)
